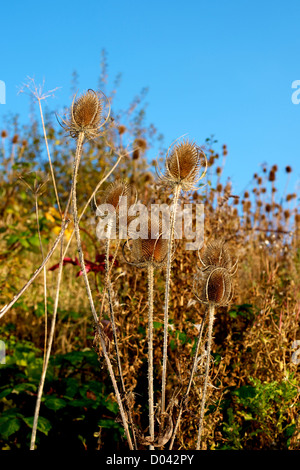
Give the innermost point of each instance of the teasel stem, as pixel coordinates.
(78, 153)
(47, 355)
(50, 340)
(166, 305)
(113, 323)
(211, 317)
(150, 353)
(193, 371)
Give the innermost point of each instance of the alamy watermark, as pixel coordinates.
(296, 94)
(2, 92)
(133, 221)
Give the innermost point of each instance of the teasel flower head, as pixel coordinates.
(215, 287)
(111, 199)
(183, 165)
(213, 283)
(115, 191)
(151, 247)
(216, 254)
(85, 115)
(140, 146)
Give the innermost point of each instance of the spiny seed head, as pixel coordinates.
(216, 287)
(216, 254)
(151, 247)
(272, 175)
(113, 193)
(213, 284)
(85, 115)
(183, 165)
(112, 198)
(140, 146)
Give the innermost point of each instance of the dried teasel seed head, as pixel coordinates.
(183, 165)
(4, 134)
(140, 146)
(216, 254)
(289, 197)
(272, 175)
(85, 116)
(15, 139)
(215, 287)
(151, 247)
(288, 169)
(121, 129)
(268, 208)
(113, 193)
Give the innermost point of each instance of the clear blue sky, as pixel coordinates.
(212, 67)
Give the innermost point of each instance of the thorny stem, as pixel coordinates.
(150, 354)
(193, 371)
(211, 317)
(166, 305)
(112, 319)
(87, 285)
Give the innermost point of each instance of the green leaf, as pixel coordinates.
(24, 387)
(43, 426)
(9, 426)
(54, 403)
(5, 392)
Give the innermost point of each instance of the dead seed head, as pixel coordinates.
(216, 254)
(216, 287)
(150, 248)
(272, 175)
(183, 165)
(85, 116)
(114, 192)
(121, 129)
(213, 284)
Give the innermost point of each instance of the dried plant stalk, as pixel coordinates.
(211, 317)
(80, 139)
(150, 354)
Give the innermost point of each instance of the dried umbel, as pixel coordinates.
(85, 116)
(183, 165)
(151, 248)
